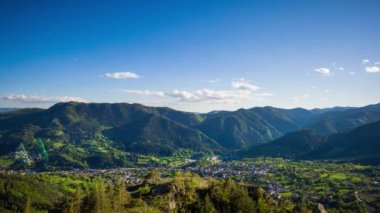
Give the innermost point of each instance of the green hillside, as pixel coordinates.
(292, 145)
(361, 144)
(97, 135)
(80, 135)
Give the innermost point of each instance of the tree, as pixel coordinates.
(28, 205)
(207, 206)
(75, 205)
(152, 177)
(241, 202)
(102, 201)
(121, 197)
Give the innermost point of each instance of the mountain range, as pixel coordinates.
(361, 144)
(102, 134)
(8, 109)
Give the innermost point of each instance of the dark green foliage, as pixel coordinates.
(24, 193)
(159, 135)
(238, 129)
(185, 118)
(361, 144)
(230, 197)
(247, 127)
(338, 120)
(206, 206)
(292, 145)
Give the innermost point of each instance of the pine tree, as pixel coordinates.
(207, 206)
(28, 205)
(241, 202)
(121, 197)
(75, 205)
(102, 201)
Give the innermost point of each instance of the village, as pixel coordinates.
(320, 182)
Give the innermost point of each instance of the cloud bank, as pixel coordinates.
(242, 89)
(40, 99)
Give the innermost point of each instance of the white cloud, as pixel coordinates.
(372, 69)
(365, 61)
(40, 99)
(242, 90)
(213, 81)
(377, 63)
(323, 71)
(144, 92)
(341, 68)
(121, 75)
(352, 73)
(194, 96)
(243, 84)
(207, 94)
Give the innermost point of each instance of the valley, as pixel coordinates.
(298, 160)
(337, 186)
(78, 135)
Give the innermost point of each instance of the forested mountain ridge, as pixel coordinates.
(248, 127)
(361, 144)
(109, 135)
(100, 135)
(2, 110)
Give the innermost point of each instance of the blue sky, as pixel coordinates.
(190, 55)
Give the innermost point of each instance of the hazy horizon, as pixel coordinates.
(191, 111)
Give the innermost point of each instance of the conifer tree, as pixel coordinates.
(102, 201)
(28, 205)
(75, 205)
(207, 206)
(121, 197)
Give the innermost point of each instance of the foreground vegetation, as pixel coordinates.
(339, 186)
(249, 185)
(182, 192)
